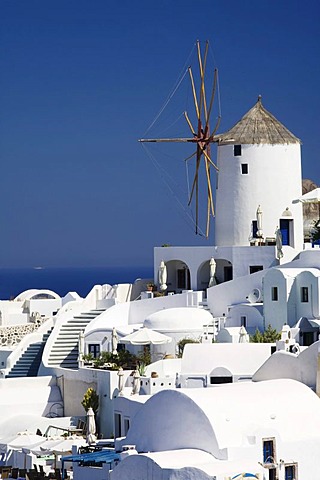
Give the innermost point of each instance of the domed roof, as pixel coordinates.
(178, 319)
(258, 126)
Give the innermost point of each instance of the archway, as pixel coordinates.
(178, 274)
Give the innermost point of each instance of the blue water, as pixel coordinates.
(63, 280)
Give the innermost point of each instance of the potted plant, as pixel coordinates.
(88, 359)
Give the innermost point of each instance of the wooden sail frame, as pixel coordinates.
(201, 136)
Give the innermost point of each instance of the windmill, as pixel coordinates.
(202, 135)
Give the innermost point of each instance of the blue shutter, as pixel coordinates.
(284, 227)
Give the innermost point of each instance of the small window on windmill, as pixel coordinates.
(237, 150)
(244, 169)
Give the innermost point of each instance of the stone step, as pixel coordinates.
(58, 354)
(74, 329)
(64, 351)
(21, 364)
(29, 361)
(64, 363)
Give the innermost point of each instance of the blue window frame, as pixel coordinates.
(285, 231)
(268, 451)
(290, 472)
(254, 228)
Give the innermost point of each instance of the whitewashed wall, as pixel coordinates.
(311, 280)
(273, 181)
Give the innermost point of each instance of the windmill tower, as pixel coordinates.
(259, 164)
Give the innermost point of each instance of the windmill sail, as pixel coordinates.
(202, 137)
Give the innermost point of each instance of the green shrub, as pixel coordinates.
(90, 399)
(270, 335)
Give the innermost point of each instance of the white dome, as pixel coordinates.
(178, 319)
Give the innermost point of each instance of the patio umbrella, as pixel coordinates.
(120, 381)
(80, 348)
(243, 335)
(114, 341)
(162, 276)
(20, 440)
(136, 383)
(58, 445)
(259, 222)
(146, 336)
(212, 271)
(65, 445)
(91, 427)
(279, 243)
(310, 197)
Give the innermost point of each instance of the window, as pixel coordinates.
(268, 451)
(42, 296)
(274, 294)
(228, 273)
(94, 349)
(126, 425)
(272, 474)
(183, 275)
(255, 268)
(290, 472)
(243, 321)
(304, 294)
(181, 278)
(254, 228)
(237, 150)
(286, 227)
(244, 169)
(117, 425)
(220, 380)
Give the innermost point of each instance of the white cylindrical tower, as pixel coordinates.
(259, 167)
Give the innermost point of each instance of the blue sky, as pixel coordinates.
(81, 81)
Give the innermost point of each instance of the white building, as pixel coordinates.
(223, 431)
(291, 294)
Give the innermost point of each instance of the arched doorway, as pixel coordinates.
(224, 273)
(178, 275)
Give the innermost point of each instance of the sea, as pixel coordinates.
(62, 280)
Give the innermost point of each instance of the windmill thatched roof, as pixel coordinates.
(258, 126)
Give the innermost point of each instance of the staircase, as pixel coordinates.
(65, 349)
(29, 362)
